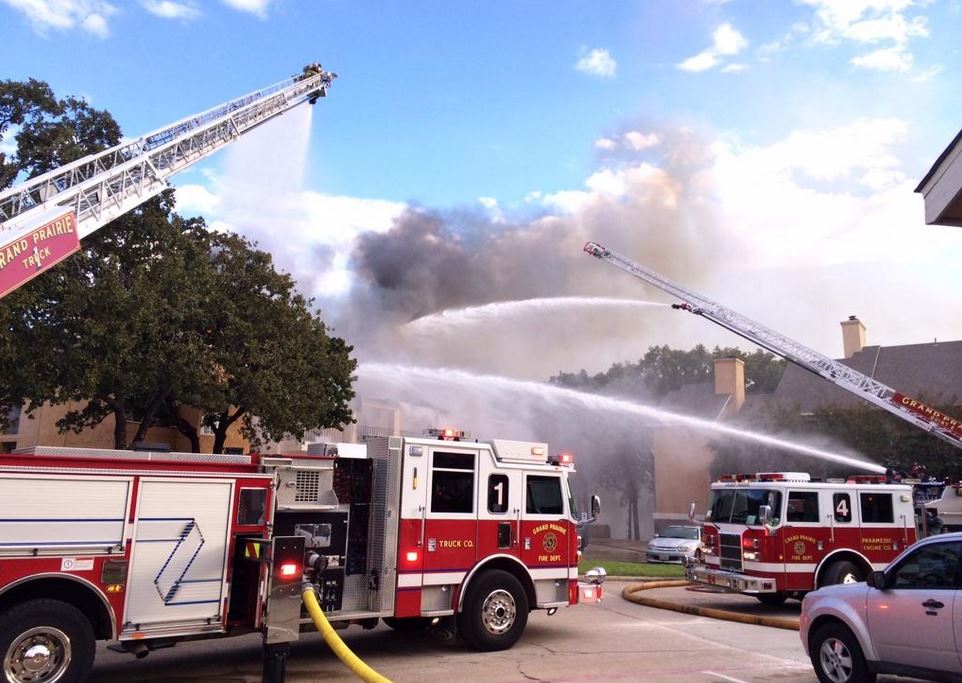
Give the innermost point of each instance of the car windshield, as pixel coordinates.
(741, 506)
(689, 532)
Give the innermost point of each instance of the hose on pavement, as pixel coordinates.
(338, 646)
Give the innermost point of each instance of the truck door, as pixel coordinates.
(450, 524)
(499, 511)
(545, 529)
(179, 557)
(804, 539)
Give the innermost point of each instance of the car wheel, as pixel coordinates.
(842, 572)
(837, 656)
(495, 611)
(409, 624)
(771, 599)
(46, 641)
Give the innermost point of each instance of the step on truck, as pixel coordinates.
(148, 549)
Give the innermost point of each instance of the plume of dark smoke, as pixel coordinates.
(430, 261)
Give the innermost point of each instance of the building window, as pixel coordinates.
(233, 450)
(7, 446)
(452, 482)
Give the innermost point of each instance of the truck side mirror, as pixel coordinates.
(691, 511)
(765, 514)
(595, 506)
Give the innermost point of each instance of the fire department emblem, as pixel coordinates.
(550, 542)
(799, 547)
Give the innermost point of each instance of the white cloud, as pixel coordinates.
(639, 141)
(726, 42)
(89, 15)
(168, 9)
(870, 22)
(597, 62)
(734, 68)
(606, 144)
(256, 7)
(928, 74)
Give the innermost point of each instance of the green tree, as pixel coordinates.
(663, 369)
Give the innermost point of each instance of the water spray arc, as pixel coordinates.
(406, 377)
(454, 318)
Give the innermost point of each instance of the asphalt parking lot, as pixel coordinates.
(615, 641)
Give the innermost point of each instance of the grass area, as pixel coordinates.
(615, 568)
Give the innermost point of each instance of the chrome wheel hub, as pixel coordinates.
(836, 660)
(498, 612)
(40, 655)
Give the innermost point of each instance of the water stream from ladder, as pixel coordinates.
(405, 383)
(453, 319)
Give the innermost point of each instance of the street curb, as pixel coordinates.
(629, 593)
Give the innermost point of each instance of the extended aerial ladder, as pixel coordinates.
(42, 219)
(839, 374)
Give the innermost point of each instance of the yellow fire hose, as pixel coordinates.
(343, 652)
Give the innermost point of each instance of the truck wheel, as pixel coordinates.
(409, 624)
(837, 656)
(842, 572)
(771, 599)
(495, 611)
(46, 641)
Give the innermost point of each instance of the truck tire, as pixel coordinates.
(842, 571)
(46, 641)
(771, 599)
(837, 656)
(495, 611)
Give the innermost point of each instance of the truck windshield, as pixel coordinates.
(740, 506)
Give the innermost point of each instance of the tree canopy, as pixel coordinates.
(663, 369)
(157, 314)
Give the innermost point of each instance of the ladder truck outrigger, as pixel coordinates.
(43, 219)
(780, 534)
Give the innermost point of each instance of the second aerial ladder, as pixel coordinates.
(944, 426)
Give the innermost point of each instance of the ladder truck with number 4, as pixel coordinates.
(779, 534)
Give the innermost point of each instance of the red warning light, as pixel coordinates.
(289, 569)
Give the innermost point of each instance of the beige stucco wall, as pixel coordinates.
(40, 429)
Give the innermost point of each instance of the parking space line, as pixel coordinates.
(724, 677)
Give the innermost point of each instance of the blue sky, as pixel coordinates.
(786, 136)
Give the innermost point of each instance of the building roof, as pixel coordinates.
(931, 372)
(941, 187)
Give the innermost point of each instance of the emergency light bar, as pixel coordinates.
(562, 459)
(448, 434)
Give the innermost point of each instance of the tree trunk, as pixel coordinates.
(185, 428)
(224, 421)
(149, 416)
(120, 424)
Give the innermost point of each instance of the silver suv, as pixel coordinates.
(906, 620)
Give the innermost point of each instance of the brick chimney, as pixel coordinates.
(853, 336)
(730, 379)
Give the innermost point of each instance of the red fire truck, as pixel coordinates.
(779, 534)
(146, 549)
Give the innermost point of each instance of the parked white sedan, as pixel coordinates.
(906, 620)
(674, 544)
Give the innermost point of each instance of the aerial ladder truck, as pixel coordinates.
(931, 420)
(43, 219)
